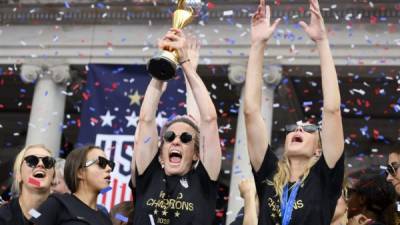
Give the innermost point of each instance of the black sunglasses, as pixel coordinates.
(309, 128)
(33, 160)
(392, 169)
(185, 137)
(102, 162)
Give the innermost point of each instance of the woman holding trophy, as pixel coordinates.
(175, 180)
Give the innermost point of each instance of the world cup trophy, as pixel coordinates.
(164, 65)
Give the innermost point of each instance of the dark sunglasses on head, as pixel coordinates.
(309, 128)
(185, 137)
(33, 160)
(102, 162)
(392, 169)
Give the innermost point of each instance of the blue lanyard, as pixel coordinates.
(288, 205)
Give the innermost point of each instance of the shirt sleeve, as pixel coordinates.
(209, 186)
(49, 211)
(332, 178)
(267, 169)
(143, 181)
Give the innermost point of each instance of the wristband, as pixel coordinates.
(184, 61)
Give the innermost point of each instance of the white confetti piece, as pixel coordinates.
(151, 219)
(35, 214)
(228, 13)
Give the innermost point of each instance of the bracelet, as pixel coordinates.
(186, 60)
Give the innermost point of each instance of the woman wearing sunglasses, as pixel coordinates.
(87, 173)
(33, 173)
(175, 181)
(303, 186)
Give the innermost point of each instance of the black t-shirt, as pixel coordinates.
(66, 209)
(174, 200)
(11, 213)
(316, 199)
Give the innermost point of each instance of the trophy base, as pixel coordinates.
(162, 68)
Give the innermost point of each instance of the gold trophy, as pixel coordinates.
(164, 65)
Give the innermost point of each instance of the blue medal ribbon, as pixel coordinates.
(287, 205)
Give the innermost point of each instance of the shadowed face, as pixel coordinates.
(394, 179)
(301, 140)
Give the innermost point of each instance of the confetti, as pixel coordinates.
(105, 190)
(121, 217)
(151, 219)
(34, 181)
(35, 214)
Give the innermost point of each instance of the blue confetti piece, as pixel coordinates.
(105, 190)
(170, 118)
(121, 217)
(66, 4)
(100, 5)
(147, 140)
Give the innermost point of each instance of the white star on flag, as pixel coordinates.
(132, 120)
(107, 119)
(160, 120)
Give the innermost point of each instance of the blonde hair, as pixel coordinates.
(282, 176)
(16, 186)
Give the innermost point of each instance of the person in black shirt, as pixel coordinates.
(370, 197)
(393, 177)
(33, 173)
(175, 182)
(302, 187)
(86, 173)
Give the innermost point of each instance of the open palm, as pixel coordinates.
(316, 29)
(261, 28)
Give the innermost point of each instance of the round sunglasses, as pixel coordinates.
(33, 160)
(309, 128)
(185, 137)
(102, 162)
(392, 169)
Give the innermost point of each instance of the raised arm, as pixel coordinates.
(249, 194)
(210, 149)
(146, 137)
(332, 129)
(193, 56)
(261, 31)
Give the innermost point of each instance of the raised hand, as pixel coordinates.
(316, 29)
(193, 51)
(261, 28)
(175, 39)
(359, 219)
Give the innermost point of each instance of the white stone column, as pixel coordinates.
(48, 104)
(241, 163)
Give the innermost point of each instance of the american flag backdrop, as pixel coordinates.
(109, 117)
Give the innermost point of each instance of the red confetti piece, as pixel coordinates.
(301, 10)
(94, 120)
(34, 181)
(376, 133)
(211, 5)
(114, 85)
(373, 20)
(85, 96)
